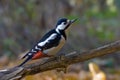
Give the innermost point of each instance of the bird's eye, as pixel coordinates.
(65, 22)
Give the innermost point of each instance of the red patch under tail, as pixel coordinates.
(39, 55)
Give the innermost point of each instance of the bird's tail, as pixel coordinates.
(25, 55)
(29, 57)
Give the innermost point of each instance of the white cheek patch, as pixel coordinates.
(61, 26)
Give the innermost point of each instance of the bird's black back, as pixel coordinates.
(47, 35)
(52, 42)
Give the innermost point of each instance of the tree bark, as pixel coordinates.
(17, 73)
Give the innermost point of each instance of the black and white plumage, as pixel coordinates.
(51, 42)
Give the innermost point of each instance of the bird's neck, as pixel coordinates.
(62, 32)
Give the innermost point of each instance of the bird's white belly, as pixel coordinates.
(54, 50)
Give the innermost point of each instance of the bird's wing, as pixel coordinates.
(51, 41)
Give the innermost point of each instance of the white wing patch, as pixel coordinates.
(49, 38)
(36, 47)
(33, 50)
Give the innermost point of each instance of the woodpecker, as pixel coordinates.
(50, 43)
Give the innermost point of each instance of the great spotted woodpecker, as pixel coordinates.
(50, 43)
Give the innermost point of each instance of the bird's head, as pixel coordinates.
(63, 24)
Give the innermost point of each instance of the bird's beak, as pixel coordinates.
(72, 21)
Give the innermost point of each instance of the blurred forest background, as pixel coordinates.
(24, 22)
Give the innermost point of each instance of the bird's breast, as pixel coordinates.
(54, 50)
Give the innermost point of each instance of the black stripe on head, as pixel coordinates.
(61, 21)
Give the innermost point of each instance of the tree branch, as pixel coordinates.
(59, 62)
